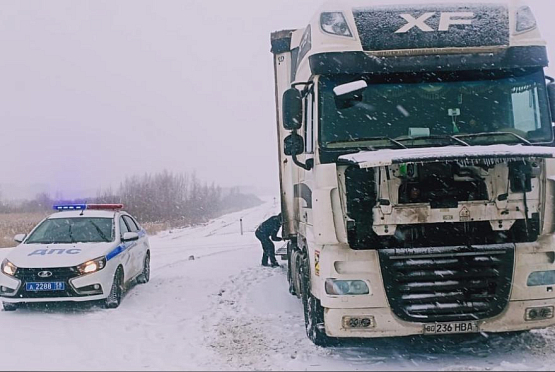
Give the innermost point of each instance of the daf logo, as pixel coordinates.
(45, 274)
(447, 20)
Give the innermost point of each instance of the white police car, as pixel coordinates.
(82, 253)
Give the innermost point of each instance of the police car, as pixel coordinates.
(82, 253)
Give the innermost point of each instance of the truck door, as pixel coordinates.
(306, 182)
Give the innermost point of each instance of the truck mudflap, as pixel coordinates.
(448, 284)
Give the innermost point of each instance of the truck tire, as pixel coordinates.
(313, 310)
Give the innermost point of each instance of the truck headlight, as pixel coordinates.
(346, 287)
(538, 278)
(8, 268)
(525, 19)
(334, 23)
(92, 266)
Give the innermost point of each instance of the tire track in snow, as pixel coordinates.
(184, 260)
(246, 340)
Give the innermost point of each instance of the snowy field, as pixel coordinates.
(224, 311)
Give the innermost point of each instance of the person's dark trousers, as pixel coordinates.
(268, 249)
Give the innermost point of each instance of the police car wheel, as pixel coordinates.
(9, 306)
(116, 293)
(145, 275)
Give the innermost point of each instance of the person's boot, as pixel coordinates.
(275, 264)
(265, 264)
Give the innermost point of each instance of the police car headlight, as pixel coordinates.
(334, 23)
(346, 287)
(92, 266)
(8, 268)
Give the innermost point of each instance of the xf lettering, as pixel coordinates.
(447, 19)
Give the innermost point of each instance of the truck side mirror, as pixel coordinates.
(551, 93)
(292, 109)
(293, 145)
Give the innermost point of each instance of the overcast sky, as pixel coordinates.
(93, 91)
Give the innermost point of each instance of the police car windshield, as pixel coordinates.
(73, 230)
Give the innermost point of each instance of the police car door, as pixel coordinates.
(126, 257)
(137, 250)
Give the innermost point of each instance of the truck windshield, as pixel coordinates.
(73, 230)
(431, 110)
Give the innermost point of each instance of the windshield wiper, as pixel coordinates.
(102, 235)
(520, 138)
(71, 235)
(395, 142)
(452, 138)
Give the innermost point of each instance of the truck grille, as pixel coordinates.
(445, 284)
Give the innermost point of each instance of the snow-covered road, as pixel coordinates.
(222, 310)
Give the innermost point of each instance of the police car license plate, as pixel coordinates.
(450, 328)
(45, 286)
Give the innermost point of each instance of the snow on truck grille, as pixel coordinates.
(448, 283)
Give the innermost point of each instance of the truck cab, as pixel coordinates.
(417, 169)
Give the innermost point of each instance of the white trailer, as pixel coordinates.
(417, 169)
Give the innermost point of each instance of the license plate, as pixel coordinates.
(450, 328)
(45, 286)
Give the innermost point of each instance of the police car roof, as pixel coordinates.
(85, 214)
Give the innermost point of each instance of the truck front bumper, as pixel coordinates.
(386, 324)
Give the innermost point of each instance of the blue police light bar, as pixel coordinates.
(81, 207)
(70, 207)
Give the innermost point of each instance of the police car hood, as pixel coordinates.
(56, 255)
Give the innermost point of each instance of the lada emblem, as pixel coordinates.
(45, 274)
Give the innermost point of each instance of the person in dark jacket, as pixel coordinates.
(266, 231)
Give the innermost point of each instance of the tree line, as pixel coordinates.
(177, 198)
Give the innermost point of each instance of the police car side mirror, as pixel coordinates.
(19, 238)
(129, 237)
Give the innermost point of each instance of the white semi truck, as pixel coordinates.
(417, 169)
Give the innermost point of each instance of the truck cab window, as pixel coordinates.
(309, 124)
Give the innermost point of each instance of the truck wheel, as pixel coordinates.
(313, 311)
(9, 306)
(116, 293)
(144, 277)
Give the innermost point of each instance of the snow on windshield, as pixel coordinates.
(73, 230)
